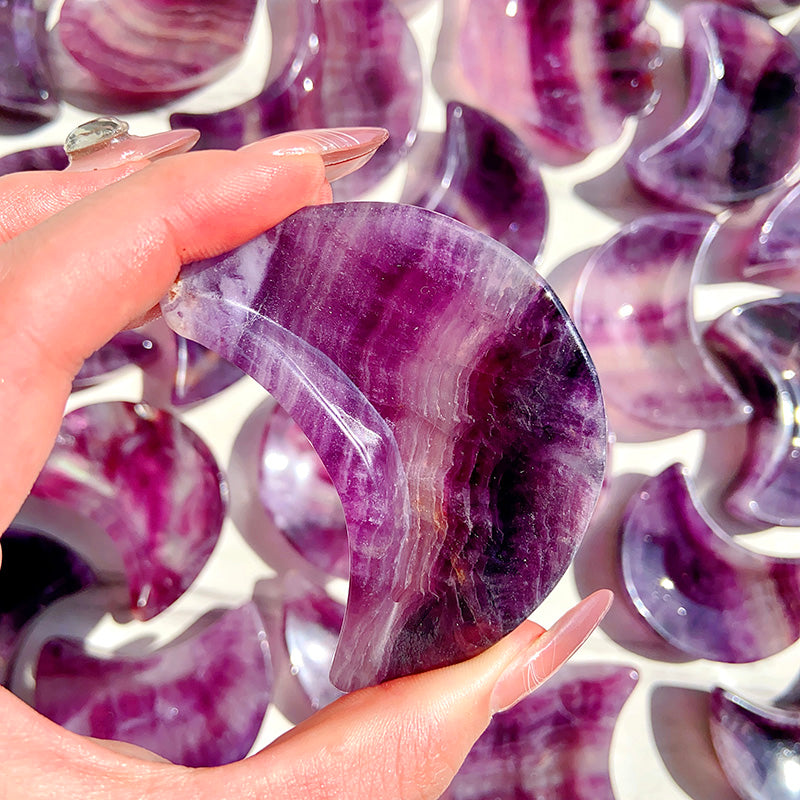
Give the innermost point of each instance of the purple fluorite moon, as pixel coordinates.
(298, 494)
(448, 395)
(634, 308)
(554, 745)
(337, 63)
(702, 592)
(484, 176)
(757, 746)
(150, 483)
(563, 75)
(739, 135)
(199, 702)
(760, 344)
(155, 47)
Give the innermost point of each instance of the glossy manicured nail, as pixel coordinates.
(550, 651)
(343, 150)
(105, 142)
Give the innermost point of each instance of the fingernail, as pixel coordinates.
(105, 142)
(550, 651)
(343, 150)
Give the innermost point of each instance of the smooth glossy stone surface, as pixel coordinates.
(337, 63)
(757, 746)
(483, 175)
(705, 594)
(311, 625)
(198, 702)
(36, 158)
(633, 307)
(127, 347)
(36, 571)
(25, 81)
(185, 373)
(739, 135)
(150, 483)
(154, 46)
(450, 399)
(760, 344)
(300, 497)
(564, 75)
(554, 745)
(774, 253)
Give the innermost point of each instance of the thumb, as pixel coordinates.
(403, 740)
(406, 738)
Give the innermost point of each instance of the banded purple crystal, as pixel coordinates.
(760, 344)
(311, 625)
(35, 572)
(738, 138)
(35, 158)
(448, 395)
(127, 347)
(564, 76)
(633, 306)
(298, 494)
(482, 174)
(698, 588)
(25, 81)
(554, 744)
(198, 702)
(150, 483)
(155, 47)
(757, 746)
(339, 63)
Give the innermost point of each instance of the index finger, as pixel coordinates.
(70, 283)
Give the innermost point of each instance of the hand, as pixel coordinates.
(85, 254)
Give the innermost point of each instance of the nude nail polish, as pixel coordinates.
(550, 651)
(105, 142)
(343, 150)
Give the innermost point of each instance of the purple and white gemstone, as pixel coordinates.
(339, 63)
(563, 75)
(554, 744)
(633, 307)
(760, 344)
(757, 746)
(450, 398)
(482, 174)
(198, 702)
(150, 483)
(704, 593)
(738, 138)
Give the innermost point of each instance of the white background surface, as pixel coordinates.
(638, 768)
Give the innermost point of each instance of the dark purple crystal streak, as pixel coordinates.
(36, 571)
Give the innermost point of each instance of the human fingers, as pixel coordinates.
(407, 738)
(403, 740)
(100, 152)
(70, 283)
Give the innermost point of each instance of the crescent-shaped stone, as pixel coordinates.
(450, 399)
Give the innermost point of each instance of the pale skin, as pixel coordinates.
(83, 255)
